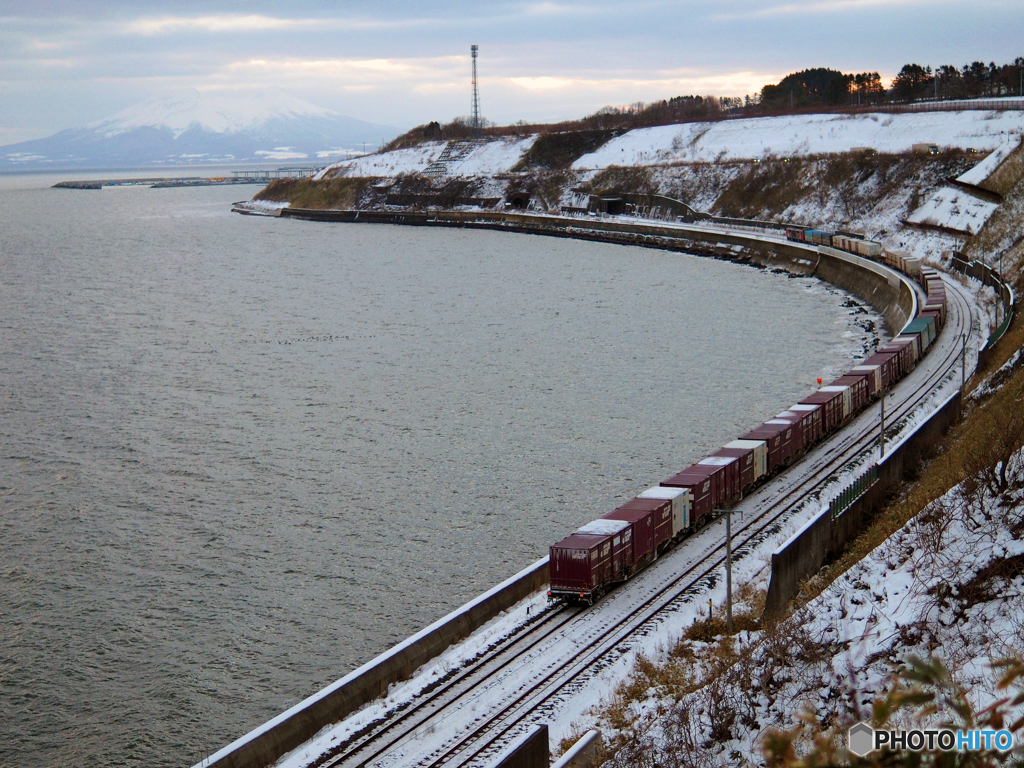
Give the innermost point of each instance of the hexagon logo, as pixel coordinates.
(861, 739)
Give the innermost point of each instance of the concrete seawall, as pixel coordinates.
(894, 298)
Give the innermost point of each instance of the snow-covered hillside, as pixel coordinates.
(754, 138)
(195, 128)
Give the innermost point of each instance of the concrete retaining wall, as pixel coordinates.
(531, 751)
(287, 731)
(824, 538)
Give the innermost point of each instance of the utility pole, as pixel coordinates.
(728, 570)
(963, 361)
(881, 431)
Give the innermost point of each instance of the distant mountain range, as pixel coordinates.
(192, 128)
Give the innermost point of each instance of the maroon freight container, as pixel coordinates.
(859, 385)
(582, 566)
(729, 479)
(889, 365)
(652, 523)
(904, 352)
(779, 439)
(832, 407)
(811, 419)
(642, 523)
(798, 439)
(703, 488)
(744, 461)
(913, 339)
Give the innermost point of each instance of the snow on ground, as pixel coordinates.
(492, 157)
(954, 209)
(487, 158)
(395, 163)
(988, 166)
(749, 138)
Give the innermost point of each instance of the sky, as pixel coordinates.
(404, 63)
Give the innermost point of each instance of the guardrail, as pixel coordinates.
(984, 273)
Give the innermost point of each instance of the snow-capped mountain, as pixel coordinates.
(189, 128)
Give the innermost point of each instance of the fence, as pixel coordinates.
(852, 492)
(990, 277)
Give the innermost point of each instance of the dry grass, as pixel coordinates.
(557, 151)
(340, 193)
(617, 179)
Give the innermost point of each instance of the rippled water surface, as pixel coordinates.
(240, 456)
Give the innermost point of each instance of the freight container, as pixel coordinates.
(938, 309)
(641, 522)
(914, 340)
(874, 374)
(811, 418)
(760, 449)
(620, 536)
(797, 437)
(681, 500)
(859, 390)
(925, 327)
(847, 397)
(936, 317)
(861, 247)
(832, 408)
(730, 477)
(906, 350)
(582, 565)
(888, 365)
(816, 237)
(744, 459)
(660, 511)
(702, 490)
(779, 443)
(715, 473)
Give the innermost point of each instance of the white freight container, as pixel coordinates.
(874, 371)
(604, 527)
(847, 397)
(682, 502)
(760, 448)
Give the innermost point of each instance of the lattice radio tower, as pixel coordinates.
(473, 49)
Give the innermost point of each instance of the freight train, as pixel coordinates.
(612, 548)
(861, 247)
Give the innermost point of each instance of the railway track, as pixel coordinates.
(470, 716)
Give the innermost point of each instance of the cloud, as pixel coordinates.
(245, 23)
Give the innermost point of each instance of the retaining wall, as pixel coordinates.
(290, 729)
(825, 537)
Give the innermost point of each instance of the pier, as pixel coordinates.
(260, 176)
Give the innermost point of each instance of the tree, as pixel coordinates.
(912, 82)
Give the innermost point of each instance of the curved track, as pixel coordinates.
(526, 677)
